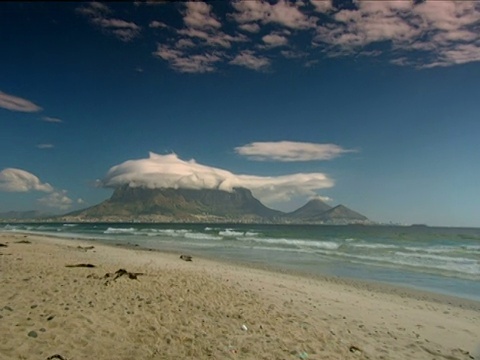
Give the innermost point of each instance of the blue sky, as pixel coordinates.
(373, 105)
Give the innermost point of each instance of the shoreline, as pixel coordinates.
(369, 284)
(341, 318)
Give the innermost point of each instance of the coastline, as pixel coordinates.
(197, 309)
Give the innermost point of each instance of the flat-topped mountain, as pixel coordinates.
(169, 204)
(206, 205)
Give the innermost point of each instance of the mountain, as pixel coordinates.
(167, 204)
(340, 215)
(205, 205)
(311, 209)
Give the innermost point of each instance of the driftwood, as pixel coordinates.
(81, 265)
(186, 257)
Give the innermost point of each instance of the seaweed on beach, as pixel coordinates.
(85, 248)
(56, 357)
(186, 257)
(81, 265)
(23, 242)
(121, 272)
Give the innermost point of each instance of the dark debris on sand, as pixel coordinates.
(85, 248)
(23, 242)
(186, 257)
(81, 265)
(56, 357)
(119, 273)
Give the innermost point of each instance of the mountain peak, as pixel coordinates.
(311, 209)
(341, 213)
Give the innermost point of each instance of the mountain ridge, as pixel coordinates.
(206, 205)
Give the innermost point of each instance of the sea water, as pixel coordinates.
(441, 260)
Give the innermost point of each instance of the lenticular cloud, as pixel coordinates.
(168, 171)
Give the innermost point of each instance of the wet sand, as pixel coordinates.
(203, 309)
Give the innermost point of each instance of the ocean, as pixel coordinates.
(439, 260)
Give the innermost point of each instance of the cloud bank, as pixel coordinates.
(17, 180)
(253, 34)
(289, 151)
(15, 103)
(57, 200)
(169, 171)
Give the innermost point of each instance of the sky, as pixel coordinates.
(370, 104)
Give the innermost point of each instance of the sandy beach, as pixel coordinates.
(52, 306)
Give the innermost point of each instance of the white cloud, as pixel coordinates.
(94, 8)
(45, 146)
(215, 38)
(293, 54)
(290, 151)
(250, 27)
(157, 25)
(274, 40)
(15, 103)
(184, 43)
(168, 171)
(57, 200)
(121, 29)
(322, 6)
(322, 198)
(52, 119)
(98, 14)
(282, 13)
(249, 60)
(188, 63)
(421, 34)
(198, 15)
(445, 31)
(17, 180)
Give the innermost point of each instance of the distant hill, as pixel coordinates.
(339, 215)
(205, 205)
(23, 215)
(311, 209)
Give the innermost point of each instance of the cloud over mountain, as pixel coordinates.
(169, 171)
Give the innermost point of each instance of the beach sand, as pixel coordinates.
(210, 310)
